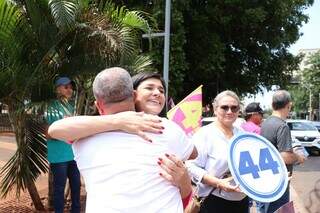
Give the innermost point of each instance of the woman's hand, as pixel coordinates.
(224, 184)
(77, 127)
(174, 170)
(138, 123)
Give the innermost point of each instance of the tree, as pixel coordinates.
(235, 44)
(242, 45)
(154, 46)
(308, 88)
(29, 160)
(177, 63)
(42, 39)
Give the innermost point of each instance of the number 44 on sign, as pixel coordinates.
(257, 167)
(266, 162)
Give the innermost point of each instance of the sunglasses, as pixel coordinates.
(233, 108)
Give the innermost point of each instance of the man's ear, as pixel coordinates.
(100, 106)
(134, 95)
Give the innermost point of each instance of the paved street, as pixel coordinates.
(10, 204)
(7, 148)
(304, 181)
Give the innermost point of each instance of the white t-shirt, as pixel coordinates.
(212, 146)
(121, 173)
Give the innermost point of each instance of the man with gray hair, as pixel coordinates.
(276, 130)
(122, 174)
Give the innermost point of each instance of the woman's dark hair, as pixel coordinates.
(142, 76)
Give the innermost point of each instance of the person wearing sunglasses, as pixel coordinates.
(60, 155)
(253, 117)
(210, 169)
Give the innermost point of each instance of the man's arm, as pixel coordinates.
(77, 127)
(285, 147)
(292, 158)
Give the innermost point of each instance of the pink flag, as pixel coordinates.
(187, 113)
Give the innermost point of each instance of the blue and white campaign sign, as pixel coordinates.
(258, 168)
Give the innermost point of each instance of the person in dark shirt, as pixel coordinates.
(276, 130)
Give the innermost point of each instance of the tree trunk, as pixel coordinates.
(18, 121)
(32, 189)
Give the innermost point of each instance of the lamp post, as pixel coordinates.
(309, 89)
(319, 108)
(166, 50)
(310, 104)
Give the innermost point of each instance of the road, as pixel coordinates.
(305, 183)
(304, 178)
(7, 148)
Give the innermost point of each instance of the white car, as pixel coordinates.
(316, 124)
(304, 134)
(206, 120)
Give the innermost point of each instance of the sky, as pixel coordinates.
(310, 39)
(310, 30)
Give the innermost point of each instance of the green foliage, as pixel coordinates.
(64, 13)
(308, 82)
(311, 75)
(29, 161)
(177, 64)
(300, 98)
(242, 45)
(42, 39)
(235, 44)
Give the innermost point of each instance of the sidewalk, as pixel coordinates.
(11, 204)
(297, 202)
(24, 204)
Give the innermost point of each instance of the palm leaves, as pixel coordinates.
(111, 32)
(9, 16)
(29, 160)
(137, 63)
(44, 38)
(64, 13)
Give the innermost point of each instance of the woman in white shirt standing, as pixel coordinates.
(210, 169)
